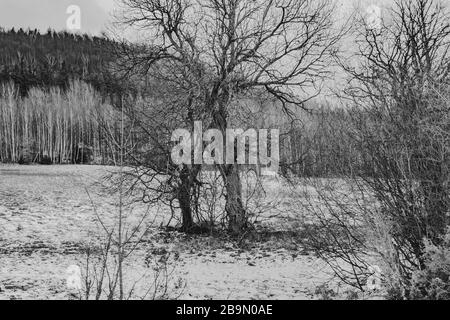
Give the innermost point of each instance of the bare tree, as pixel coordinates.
(405, 65)
(166, 103)
(230, 48)
(398, 91)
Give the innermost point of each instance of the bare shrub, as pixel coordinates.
(398, 126)
(433, 282)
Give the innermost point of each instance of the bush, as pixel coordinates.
(84, 155)
(324, 292)
(23, 160)
(46, 160)
(433, 283)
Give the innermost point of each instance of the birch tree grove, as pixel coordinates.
(53, 126)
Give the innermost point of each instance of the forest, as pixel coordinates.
(52, 85)
(31, 59)
(58, 88)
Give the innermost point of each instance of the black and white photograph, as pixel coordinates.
(241, 151)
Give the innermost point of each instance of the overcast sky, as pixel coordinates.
(42, 14)
(95, 14)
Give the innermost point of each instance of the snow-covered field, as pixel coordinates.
(47, 219)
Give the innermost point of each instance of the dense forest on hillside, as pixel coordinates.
(31, 59)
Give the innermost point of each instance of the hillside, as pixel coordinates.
(31, 59)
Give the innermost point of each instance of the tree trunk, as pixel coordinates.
(234, 208)
(237, 219)
(184, 199)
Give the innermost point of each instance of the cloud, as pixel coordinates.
(44, 14)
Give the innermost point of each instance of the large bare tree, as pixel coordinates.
(231, 48)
